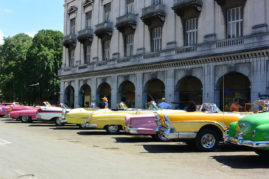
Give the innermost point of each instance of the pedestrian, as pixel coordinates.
(164, 105)
(105, 102)
(235, 107)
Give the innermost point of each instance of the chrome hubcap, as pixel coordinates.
(113, 128)
(24, 119)
(58, 121)
(208, 141)
(162, 137)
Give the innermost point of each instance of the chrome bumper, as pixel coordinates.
(63, 121)
(131, 130)
(173, 134)
(88, 125)
(240, 141)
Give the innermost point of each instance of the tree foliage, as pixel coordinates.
(30, 61)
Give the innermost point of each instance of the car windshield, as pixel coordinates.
(209, 107)
(64, 106)
(261, 105)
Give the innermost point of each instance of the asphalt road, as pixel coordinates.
(41, 150)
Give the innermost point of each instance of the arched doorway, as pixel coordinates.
(69, 96)
(236, 85)
(154, 90)
(104, 90)
(189, 89)
(85, 96)
(127, 94)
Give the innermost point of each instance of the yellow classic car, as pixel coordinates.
(112, 121)
(204, 129)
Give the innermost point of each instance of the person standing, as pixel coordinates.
(105, 102)
(235, 107)
(164, 105)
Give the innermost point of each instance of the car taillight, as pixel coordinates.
(131, 122)
(9, 109)
(39, 110)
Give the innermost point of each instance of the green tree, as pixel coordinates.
(12, 75)
(44, 59)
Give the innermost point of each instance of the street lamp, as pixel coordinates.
(37, 84)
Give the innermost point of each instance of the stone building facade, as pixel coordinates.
(141, 50)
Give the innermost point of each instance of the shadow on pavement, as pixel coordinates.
(95, 132)
(65, 127)
(182, 148)
(252, 161)
(133, 139)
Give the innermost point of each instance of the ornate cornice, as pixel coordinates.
(174, 64)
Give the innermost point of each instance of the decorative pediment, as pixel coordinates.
(88, 3)
(72, 10)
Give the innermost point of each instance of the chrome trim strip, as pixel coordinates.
(78, 117)
(220, 124)
(172, 134)
(131, 130)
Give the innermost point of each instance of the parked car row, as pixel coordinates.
(205, 128)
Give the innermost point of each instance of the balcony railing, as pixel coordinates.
(229, 42)
(152, 12)
(104, 29)
(85, 35)
(70, 40)
(127, 21)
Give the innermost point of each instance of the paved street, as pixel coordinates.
(41, 150)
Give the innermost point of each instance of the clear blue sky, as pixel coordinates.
(30, 16)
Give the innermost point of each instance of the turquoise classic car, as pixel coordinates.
(252, 131)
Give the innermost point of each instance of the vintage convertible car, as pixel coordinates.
(112, 121)
(252, 130)
(5, 107)
(204, 129)
(107, 119)
(45, 112)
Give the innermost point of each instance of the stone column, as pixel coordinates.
(170, 85)
(114, 92)
(258, 78)
(139, 91)
(62, 92)
(259, 16)
(93, 89)
(208, 84)
(76, 102)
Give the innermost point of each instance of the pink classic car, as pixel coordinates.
(143, 124)
(4, 107)
(24, 113)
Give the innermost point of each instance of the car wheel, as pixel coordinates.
(58, 122)
(207, 140)
(160, 137)
(25, 119)
(112, 129)
(262, 153)
(81, 126)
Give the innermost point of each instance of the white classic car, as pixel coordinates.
(51, 113)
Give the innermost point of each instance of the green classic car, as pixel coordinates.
(252, 131)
